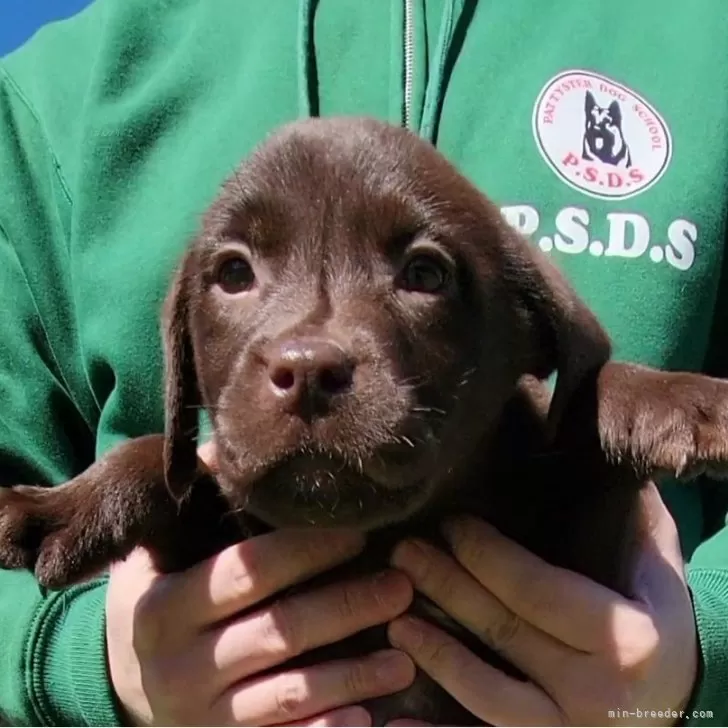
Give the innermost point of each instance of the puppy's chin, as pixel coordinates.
(307, 490)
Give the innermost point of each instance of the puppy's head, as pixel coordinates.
(354, 315)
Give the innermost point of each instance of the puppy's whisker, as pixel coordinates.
(426, 410)
(546, 454)
(413, 382)
(465, 378)
(202, 408)
(238, 510)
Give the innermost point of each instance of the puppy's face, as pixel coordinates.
(357, 315)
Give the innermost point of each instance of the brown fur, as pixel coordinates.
(341, 396)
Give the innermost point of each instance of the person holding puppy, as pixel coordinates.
(116, 129)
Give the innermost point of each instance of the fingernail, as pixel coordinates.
(453, 529)
(456, 529)
(411, 557)
(449, 529)
(354, 716)
(392, 589)
(346, 542)
(406, 633)
(393, 667)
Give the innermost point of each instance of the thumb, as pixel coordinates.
(207, 453)
(140, 562)
(658, 531)
(660, 568)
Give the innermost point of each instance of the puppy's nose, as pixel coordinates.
(305, 373)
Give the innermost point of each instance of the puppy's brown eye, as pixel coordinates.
(424, 274)
(235, 275)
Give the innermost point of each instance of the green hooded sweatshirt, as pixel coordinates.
(600, 128)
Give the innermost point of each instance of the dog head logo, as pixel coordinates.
(599, 136)
(603, 135)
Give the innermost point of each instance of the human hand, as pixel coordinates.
(180, 653)
(585, 649)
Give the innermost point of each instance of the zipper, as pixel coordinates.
(409, 59)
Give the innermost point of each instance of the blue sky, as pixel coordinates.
(19, 19)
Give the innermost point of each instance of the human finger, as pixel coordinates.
(246, 573)
(300, 623)
(297, 694)
(485, 691)
(439, 577)
(564, 604)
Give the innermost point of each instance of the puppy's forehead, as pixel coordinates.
(342, 157)
(346, 178)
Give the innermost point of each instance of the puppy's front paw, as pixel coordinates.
(672, 423)
(38, 532)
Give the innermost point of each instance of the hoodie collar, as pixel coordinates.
(426, 123)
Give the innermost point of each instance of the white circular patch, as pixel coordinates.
(599, 136)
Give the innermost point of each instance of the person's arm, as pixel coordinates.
(708, 580)
(52, 663)
(707, 569)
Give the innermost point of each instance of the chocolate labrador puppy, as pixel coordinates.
(370, 339)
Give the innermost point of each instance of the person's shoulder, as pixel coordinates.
(111, 48)
(44, 82)
(71, 81)
(57, 49)
(124, 28)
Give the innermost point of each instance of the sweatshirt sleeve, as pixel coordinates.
(52, 644)
(708, 580)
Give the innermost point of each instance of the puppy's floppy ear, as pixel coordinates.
(182, 395)
(567, 337)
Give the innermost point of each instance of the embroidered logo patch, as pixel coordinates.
(599, 136)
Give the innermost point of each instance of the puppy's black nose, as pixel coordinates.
(306, 372)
